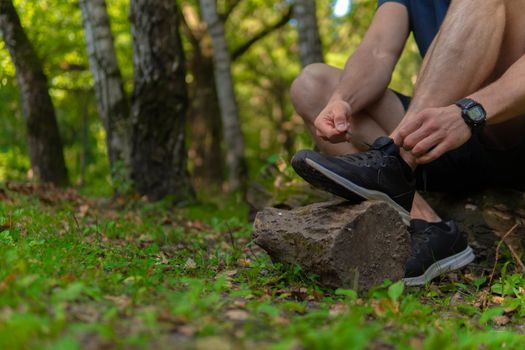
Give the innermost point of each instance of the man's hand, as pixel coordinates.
(333, 121)
(430, 133)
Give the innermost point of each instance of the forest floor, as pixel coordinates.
(81, 273)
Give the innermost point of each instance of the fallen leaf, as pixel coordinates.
(7, 281)
(190, 264)
(237, 314)
(281, 321)
(161, 259)
(186, 330)
(121, 301)
(338, 309)
(83, 210)
(240, 303)
(497, 300)
(244, 262)
(84, 312)
(132, 279)
(501, 320)
(416, 343)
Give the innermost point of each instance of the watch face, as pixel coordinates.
(475, 114)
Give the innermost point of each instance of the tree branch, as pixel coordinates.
(231, 6)
(239, 51)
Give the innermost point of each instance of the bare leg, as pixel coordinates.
(461, 59)
(310, 93)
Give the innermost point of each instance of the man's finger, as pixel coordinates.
(326, 130)
(408, 125)
(416, 137)
(434, 154)
(425, 146)
(340, 119)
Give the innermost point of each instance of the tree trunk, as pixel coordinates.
(112, 102)
(44, 143)
(233, 137)
(206, 125)
(159, 101)
(310, 48)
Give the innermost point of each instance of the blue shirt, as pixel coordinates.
(426, 17)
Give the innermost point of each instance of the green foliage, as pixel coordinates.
(262, 79)
(85, 274)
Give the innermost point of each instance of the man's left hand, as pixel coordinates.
(432, 132)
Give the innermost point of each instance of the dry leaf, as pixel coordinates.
(501, 320)
(282, 321)
(121, 301)
(186, 330)
(82, 210)
(237, 315)
(190, 264)
(338, 309)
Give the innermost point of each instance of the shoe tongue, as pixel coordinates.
(386, 145)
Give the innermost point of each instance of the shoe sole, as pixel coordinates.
(360, 191)
(320, 181)
(451, 263)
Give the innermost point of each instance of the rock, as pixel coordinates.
(352, 246)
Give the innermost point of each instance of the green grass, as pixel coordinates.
(76, 273)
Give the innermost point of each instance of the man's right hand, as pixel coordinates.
(333, 121)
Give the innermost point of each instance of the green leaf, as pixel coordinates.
(489, 314)
(71, 292)
(396, 290)
(348, 293)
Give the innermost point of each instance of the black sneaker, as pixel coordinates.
(379, 173)
(317, 179)
(436, 248)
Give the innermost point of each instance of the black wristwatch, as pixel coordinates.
(473, 114)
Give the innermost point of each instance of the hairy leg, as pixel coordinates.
(461, 59)
(463, 54)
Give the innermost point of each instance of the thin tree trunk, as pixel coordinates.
(206, 125)
(44, 143)
(112, 102)
(310, 48)
(159, 101)
(233, 137)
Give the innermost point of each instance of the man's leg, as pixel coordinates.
(462, 58)
(310, 93)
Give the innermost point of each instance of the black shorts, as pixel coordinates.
(472, 166)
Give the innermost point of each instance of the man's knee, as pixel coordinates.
(306, 83)
(312, 88)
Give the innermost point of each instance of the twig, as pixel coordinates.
(76, 221)
(497, 251)
(232, 239)
(516, 257)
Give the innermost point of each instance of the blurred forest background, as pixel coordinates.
(262, 46)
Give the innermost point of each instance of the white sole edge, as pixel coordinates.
(453, 262)
(360, 191)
